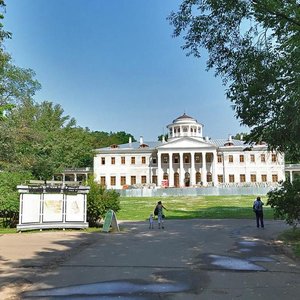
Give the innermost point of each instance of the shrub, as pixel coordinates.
(9, 196)
(99, 201)
(286, 202)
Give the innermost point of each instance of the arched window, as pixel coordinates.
(198, 177)
(209, 177)
(187, 179)
(176, 179)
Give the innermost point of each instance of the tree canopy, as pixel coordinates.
(38, 137)
(254, 46)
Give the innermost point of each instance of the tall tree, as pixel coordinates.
(16, 84)
(3, 35)
(254, 45)
(40, 138)
(4, 57)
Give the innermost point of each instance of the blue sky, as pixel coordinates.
(114, 66)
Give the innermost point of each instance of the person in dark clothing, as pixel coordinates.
(258, 209)
(160, 214)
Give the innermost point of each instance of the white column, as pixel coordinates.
(193, 173)
(204, 171)
(223, 167)
(181, 170)
(171, 172)
(159, 173)
(150, 171)
(214, 173)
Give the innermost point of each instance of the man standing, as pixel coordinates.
(258, 209)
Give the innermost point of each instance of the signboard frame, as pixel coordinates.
(110, 221)
(46, 210)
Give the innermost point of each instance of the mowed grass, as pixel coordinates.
(205, 207)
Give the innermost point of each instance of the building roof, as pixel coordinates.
(222, 142)
(153, 145)
(134, 146)
(184, 116)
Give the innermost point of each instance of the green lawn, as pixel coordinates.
(209, 207)
(7, 230)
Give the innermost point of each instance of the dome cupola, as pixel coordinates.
(185, 126)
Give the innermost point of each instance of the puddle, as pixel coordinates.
(231, 263)
(245, 250)
(248, 243)
(110, 288)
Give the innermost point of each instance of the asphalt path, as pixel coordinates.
(189, 259)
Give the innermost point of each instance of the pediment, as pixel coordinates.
(187, 142)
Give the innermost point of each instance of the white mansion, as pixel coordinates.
(187, 159)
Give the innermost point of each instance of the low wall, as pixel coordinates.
(213, 191)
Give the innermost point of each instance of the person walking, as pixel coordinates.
(158, 211)
(258, 209)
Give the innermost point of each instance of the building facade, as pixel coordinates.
(187, 159)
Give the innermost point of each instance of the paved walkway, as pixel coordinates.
(189, 259)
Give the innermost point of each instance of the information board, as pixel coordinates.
(75, 208)
(46, 207)
(30, 208)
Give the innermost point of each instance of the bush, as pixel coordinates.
(9, 196)
(99, 201)
(286, 202)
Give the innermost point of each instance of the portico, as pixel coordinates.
(184, 168)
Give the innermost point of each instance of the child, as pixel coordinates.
(151, 221)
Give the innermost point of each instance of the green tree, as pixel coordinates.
(40, 138)
(16, 84)
(99, 201)
(254, 47)
(160, 137)
(286, 202)
(240, 136)
(4, 57)
(104, 139)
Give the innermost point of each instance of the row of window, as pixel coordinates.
(143, 179)
(185, 129)
(252, 158)
(198, 159)
(123, 180)
(253, 178)
(123, 160)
